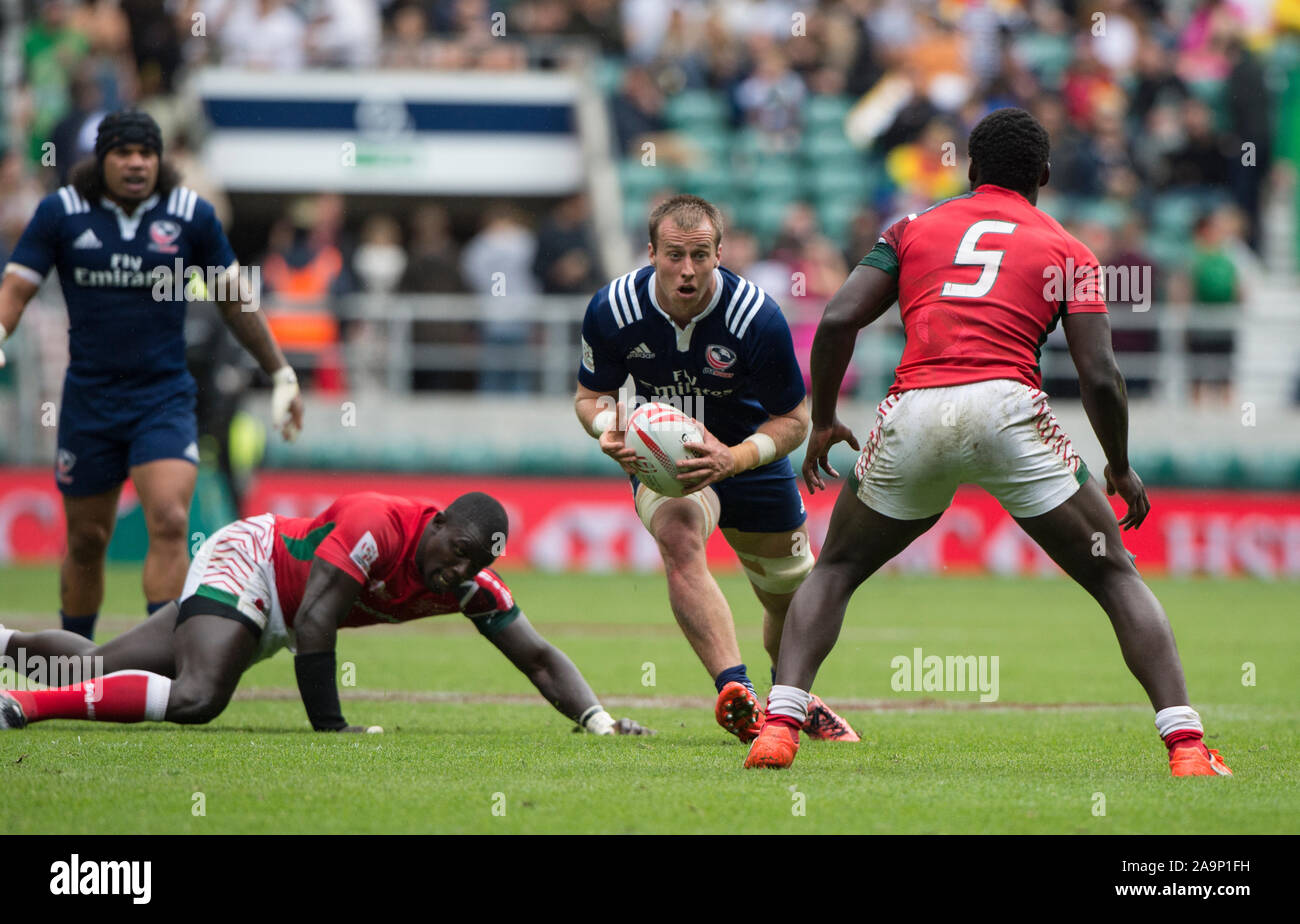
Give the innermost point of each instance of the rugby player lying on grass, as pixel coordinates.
(271, 582)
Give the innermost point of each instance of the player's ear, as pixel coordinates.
(970, 174)
(1046, 174)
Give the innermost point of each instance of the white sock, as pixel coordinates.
(156, 693)
(789, 701)
(1177, 718)
(5, 636)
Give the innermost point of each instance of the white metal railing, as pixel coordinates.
(534, 341)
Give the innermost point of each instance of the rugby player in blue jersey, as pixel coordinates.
(695, 334)
(122, 224)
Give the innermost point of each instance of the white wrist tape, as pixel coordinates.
(597, 721)
(603, 421)
(766, 447)
(284, 376)
(285, 389)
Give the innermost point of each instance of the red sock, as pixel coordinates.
(126, 696)
(1186, 735)
(783, 720)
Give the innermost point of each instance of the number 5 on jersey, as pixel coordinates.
(969, 255)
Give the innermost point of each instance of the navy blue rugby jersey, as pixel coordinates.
(123, 340)
(731, 368)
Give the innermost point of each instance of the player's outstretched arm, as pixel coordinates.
(326, 600)
(247, 322)
(15, 293)
(865, 296)
(558, 679)
(1105, 399)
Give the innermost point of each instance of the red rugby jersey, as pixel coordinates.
(982, 279)
(373, 538)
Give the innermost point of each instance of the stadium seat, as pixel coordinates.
(640, 181)
(1046, 54)
(1107, 212)
(696, 107)
(609, 75)
(835, 212)
(715, 183)
(828, 143)
(775, 178)
(824, 111)
(712, 143)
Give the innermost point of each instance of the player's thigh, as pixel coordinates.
(774, 562)
(212, 651)
(680, 525)
(149, 646)
(1018, 450)
(860, 540)
(764, 521)
(910, 464)
(232, 575)
(1082, 536)
(163, 458)
(92, 457)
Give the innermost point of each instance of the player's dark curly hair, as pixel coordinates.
(1009, 148)
(87, 178)
(482, 515)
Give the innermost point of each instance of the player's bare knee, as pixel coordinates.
(87, 542)
(168, 523)
(195, 703)
(679, 536)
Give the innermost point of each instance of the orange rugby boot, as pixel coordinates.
(738, 711)
(824, 724)
(1192, 758)
(774, 748)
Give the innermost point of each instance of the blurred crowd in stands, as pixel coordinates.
(1161, 113)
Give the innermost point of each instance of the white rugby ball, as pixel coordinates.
(658, 432)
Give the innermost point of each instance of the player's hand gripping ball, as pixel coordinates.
(658, 433)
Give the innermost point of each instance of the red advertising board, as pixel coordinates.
(560, 524)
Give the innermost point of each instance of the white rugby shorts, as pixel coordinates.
(234, 567)
(999, 434)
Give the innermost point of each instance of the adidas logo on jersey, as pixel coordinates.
(641, 352)
(87, 241)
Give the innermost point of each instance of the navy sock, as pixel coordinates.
(737, 674)
(155, 607)
(82, 625)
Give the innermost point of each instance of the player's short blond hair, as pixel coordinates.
(686, 212)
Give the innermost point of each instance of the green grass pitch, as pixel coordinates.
(1068, 747)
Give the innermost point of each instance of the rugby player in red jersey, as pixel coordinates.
(270, 582)
(978, 282)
